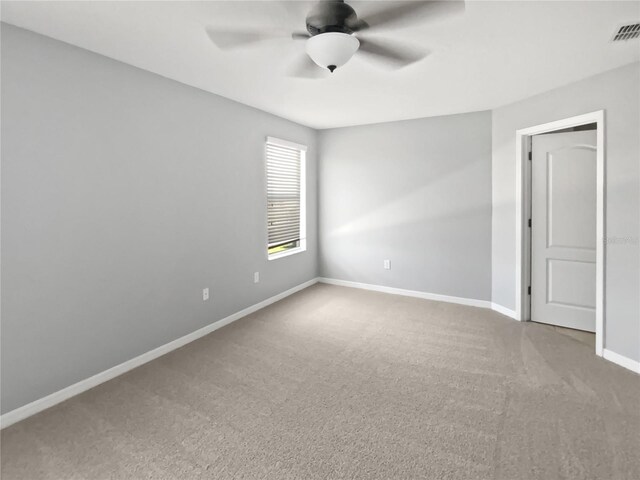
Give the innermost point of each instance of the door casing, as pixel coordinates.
(523, 214)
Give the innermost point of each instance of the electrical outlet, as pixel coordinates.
(387, 264)
(205, 294)
(256, 277)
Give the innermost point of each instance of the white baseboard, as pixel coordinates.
(427, 296)
(621, 360)
(408, 293)
(41, 404)
(504, 310)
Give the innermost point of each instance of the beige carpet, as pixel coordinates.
(342, 383)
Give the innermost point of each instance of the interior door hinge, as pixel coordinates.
(530, 154)
(529, 290)
(529, 223)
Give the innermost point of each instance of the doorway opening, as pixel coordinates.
(584, 124)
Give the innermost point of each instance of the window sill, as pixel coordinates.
(286, 253)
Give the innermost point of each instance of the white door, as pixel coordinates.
(563, 229)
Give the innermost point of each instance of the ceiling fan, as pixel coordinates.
(334, 33)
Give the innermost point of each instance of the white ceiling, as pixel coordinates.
(493, 54)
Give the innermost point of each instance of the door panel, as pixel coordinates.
(571, 283)
(563, 235)
(571, 198)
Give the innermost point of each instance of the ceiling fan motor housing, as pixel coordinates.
(331, 16)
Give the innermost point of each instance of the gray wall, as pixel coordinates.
(416, 192)
(123, 195)
(618, 93)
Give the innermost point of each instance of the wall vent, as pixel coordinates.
(627, 32)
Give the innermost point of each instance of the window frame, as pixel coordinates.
(302, 246)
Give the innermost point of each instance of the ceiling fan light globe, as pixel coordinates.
(332, 49)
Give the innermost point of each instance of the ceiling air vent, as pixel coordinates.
(627, 32)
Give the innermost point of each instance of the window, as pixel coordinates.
(286, 209)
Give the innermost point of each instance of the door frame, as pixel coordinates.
(523, 212)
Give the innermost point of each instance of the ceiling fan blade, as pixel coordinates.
(228, 39)
(393, 55)
(399, 14)
(300, 35)
(303, 67)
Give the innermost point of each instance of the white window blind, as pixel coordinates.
(284, 188)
